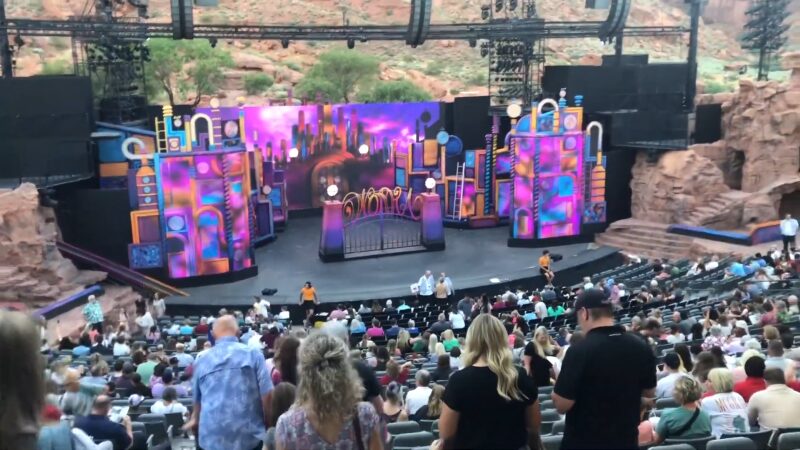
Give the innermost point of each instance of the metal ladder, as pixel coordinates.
(161, 136)
(459, 194)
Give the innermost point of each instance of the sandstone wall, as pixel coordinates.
(670, 189)
(32, 271)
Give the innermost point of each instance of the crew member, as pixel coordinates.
(544, 267)
(788, 233)
(309, 300)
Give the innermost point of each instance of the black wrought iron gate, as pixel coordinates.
(380, 221)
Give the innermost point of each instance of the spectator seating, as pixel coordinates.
(408, 441)
(789, 441)
(697, 444)
(737, 443)
(760, 438)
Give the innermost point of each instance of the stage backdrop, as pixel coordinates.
(350, 145)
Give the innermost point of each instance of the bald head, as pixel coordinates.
(225, 326)
(101, 405)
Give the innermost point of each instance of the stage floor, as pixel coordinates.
(472, 259)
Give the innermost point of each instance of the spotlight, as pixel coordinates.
(351, 43)
(285, 43)
(430, 183)
(213, 42)
(293, 153)
(498, 5)
(473, 43)
(485, 11)
(332, 190)
(514, 110)
(363, 149)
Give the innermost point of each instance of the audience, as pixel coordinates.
(419, 396)
(777, 406)
(328, 404)
(672, 368)
(393, 410)
(168, 403)
(490, 403)
(101, 428)
(433, 409)
(754, 369)
(727, 409)
(283, 397)
(687, 421)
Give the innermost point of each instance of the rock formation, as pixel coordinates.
(32, 271)
(756, 162)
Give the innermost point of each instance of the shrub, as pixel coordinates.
(57, 67)
(257, 83)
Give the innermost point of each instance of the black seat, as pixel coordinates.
(398, 428)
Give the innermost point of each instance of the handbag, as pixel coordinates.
(688, 424)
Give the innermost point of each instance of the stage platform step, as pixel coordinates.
(717, 209)
(645, 239)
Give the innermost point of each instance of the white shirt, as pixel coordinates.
(711, 265)
(417, 398)
(457, 320)
(588, 286)
(255, 341)
(676, 338)
(425, 285)
(174, 407)
(262, 307)
(283, 315)
(728, 412)
(160, 307)
(145, 321)
(540, 309)
(448, 283)
(789, 227)
(121, 349)
(666, 385)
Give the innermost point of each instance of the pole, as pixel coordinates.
(691, 78)
(5, 50)
(618, 48)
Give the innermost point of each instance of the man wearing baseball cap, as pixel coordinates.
(603, 380)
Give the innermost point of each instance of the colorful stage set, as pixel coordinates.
(206, 189)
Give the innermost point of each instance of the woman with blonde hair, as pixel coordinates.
(490, 403)
(687, 421)
(404, 342)
(433, 409)
(432, 344)
(449, 340)
(545, 342)
(727, 409)
(328, 411)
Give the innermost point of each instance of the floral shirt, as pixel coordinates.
(295, 431)
(93, 313)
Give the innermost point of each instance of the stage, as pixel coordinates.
(475, 260)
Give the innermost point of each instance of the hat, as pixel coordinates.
(135, 400)
(592, 298)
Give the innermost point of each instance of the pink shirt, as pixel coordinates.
(375, 332)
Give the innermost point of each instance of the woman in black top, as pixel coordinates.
(490, 403)
(443, 369)
(537, 365)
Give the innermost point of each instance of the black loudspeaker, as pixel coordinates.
(556, 257)
(471, 121)
(182, 19)
(45, 127)
(626, 60)
(96, 220)
(708, 123)
(269, 291)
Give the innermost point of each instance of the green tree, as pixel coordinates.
(257, 83)
(185, 68)
(57, 67)
(395, 92)
(338, 74)
(765, 31)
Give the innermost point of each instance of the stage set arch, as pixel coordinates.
(206, 189)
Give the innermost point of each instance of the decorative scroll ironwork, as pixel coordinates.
(381, 219)
(383, 201)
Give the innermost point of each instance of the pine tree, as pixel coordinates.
(765, 31)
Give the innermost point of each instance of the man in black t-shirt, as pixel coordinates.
(603, 380)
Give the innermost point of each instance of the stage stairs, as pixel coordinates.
(119, 272)
(645, 239)
(716, 209)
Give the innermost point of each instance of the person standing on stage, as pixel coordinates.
(309, 300)
(426, 285)
(544, 267)
(788, 233)
(449, 284)
(93, 314)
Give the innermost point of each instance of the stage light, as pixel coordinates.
(514, 110)
(498, 5)
(363, 149)
(266, 190)
(332, 190)
(293, 153)
(430, 183)
(351, 43)
(473, 43)
(285, 43)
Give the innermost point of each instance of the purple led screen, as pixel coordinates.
(327, 139)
